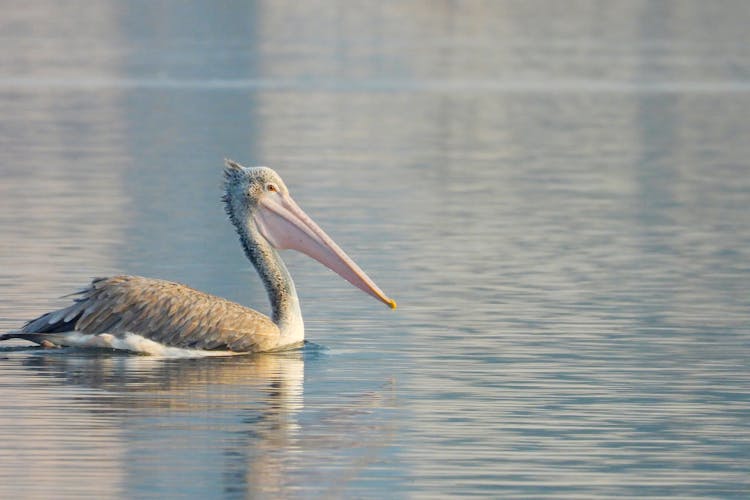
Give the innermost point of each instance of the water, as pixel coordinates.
(557, 196)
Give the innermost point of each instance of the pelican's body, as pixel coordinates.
(150, 315)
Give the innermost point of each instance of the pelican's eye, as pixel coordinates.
(272, 188)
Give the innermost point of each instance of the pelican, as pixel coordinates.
(156, 316)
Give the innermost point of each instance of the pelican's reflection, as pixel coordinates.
(187, 426)
(279, 375)
(239, 411)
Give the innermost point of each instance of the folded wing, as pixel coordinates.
(169, 313)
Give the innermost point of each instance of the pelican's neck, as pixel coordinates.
(286, 312)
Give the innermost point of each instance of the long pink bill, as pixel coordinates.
(285, 225)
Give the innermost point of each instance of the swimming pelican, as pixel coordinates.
(154, 316)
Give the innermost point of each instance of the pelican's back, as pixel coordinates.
(162, 311)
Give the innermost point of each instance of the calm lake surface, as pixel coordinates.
(556, 193)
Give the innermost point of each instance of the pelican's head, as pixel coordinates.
(257, 198)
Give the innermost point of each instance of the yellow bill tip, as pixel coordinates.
(392, 303)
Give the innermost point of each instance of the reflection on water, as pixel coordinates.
(157, 426)
(556, 196)
(141, 413)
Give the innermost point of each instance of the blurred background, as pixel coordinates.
(556, 193)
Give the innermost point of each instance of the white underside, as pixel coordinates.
(131, 342)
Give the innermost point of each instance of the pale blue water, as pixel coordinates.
(556, 194)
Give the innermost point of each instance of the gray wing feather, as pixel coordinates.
(162, 311)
